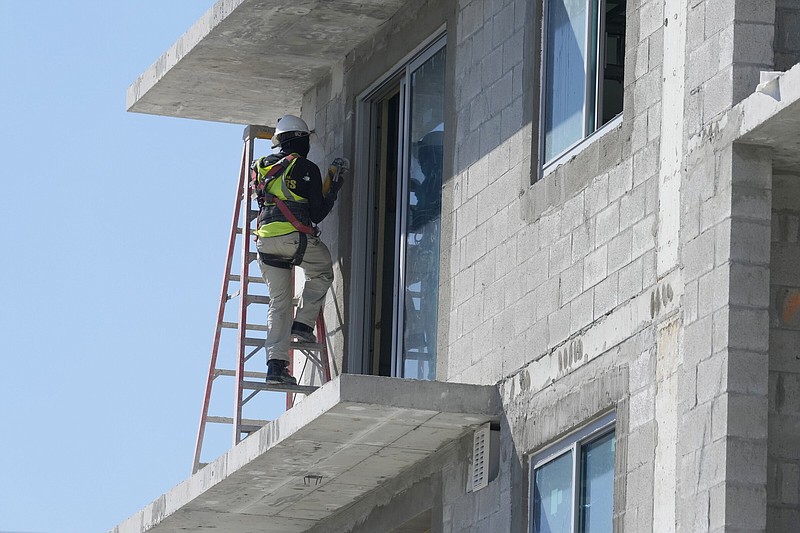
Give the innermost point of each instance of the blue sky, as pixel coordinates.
(113, 230)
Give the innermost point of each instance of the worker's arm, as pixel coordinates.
(309, 186)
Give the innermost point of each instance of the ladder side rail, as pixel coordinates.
(322, 338)
(243, 288)
(220, 316)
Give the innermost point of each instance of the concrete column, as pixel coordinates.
(722, 433)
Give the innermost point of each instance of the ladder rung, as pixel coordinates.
(229, 420)
(311, 346)
(232, 373)
(250, 279)
(278, 387)
(252, 341)
(258, 299)
(251, 327)
(252, 255)
(245, 428)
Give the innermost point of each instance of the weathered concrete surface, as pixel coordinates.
(250, 61)
(349, 436)
(772, 118)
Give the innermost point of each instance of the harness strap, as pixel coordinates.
(281, 262)
(287, 213)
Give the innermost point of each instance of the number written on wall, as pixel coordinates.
(660, 298)
(570, 356)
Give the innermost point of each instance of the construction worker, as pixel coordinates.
(289, 190)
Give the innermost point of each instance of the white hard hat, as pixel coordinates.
(289, 127)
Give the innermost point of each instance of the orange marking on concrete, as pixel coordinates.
(790, 306)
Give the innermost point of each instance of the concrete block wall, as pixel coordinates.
(598, 285)
(787, 38)
(729, 43)
(783, 461)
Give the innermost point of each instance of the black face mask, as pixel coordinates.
(299, 145)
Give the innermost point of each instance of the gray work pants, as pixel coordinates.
(319, 275)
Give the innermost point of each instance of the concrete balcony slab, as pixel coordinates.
(325, 453)
(250, 61)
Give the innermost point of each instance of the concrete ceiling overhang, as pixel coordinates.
(771, 117)
(322, 455)
(250, 61)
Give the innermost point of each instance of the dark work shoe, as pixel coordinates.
(303, 333)
(278, 372)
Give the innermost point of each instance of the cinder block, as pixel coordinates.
(695, 26)
(572, 213)
(581, 311)
(690, 302)
(746, 507)
(512, 121)
(698, 256)
(607, 224)
(620, 180)
(644, 236)
(605, 295)
(647, 92)
(501, 23)
(595, 267)
(582, 241)
(619, 250)
(718, 94)
(747, 416)
(697, 341)
(572, 282)
(630, 280)
(463, 286)
(536, 269)
(719, 15)
(651, 18)
(558, 326)
(560, 255)
(632, 206)
(747, 461)
(749, 329)
(747, 372)
(547, 295)
(711, 378)
(753, 43)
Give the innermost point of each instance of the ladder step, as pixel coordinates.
(245, 428)
(250, 279)
(252, 256)
(232, 373)
(229, 420)
(258, 299)
(310, 346)
(278, 387)
(252, 327)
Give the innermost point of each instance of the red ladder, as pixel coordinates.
(247, 347)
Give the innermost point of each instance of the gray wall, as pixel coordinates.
(783, 488)
(787, 36)
(633, 277)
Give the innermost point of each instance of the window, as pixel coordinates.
(584, 62)
(572, 482)
(403, 216)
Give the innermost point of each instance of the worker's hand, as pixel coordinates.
(336, 185)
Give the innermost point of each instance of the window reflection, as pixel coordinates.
(423, 219)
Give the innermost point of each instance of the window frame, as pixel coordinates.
(364, 223)
(572, 442)
(593, 89)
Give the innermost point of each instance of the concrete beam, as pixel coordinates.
(771, 117)
(251, 61)
(325, 453)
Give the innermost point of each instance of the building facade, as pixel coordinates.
(592, 206)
